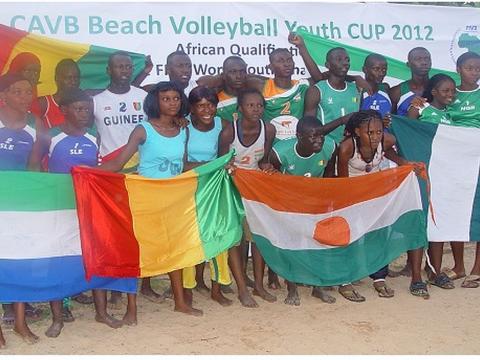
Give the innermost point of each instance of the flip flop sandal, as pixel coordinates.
(351, 295)
(442, 281)
(452, 275)
(384, 291)
(471, 282)
(67, 315)
(419, 288)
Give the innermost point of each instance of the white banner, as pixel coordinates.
(210, 32)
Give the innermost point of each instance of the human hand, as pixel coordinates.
(296, 40)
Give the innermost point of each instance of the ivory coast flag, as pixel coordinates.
(397, 68)
(452, 156)
(135, 226)
(40, 253)
(332, 231)
(92, 60)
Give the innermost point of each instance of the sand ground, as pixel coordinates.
(447, 323)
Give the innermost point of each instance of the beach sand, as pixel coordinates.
(444, 324)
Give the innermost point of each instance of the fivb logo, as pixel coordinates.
(465, 39)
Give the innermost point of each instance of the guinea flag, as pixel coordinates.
(452, 156)
(332, 231)
(40, 252)
(134, 226)
(92, 60)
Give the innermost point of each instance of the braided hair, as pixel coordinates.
(357, 119)
(433, 83)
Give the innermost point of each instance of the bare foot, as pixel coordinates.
(273, 282)
(226, 289)
(264, 295)
(292, 298)
(202, 288)
(188, 310)
(222, 300)
(109, 321)
(168, 294)
(247, 300)
(152, 296)
(26, 335)
(54, 330)
(320, 293)
(129, 319)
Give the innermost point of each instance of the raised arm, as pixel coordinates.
(312, 67)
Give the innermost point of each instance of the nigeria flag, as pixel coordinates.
(452, 156)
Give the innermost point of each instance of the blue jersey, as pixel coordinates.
(406, 97)
(161, 157)
(15, 147)
(379, 101)
(203, 145)
(67, 151)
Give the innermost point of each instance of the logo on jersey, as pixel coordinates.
(467, 106)
(330, 100)
(107, 108)
(291, 167)
(307, 174)
(321, 162)
(7, 145)
(297, 98)
(137, 105)
(76, 150)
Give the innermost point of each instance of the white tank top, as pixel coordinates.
(116, 115)
(247, 157)
(357, 166)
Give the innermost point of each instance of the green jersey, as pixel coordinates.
(465, 110)
(284, 107)
(433, 115)
(336, 103)
(294, 164)
(227, 106)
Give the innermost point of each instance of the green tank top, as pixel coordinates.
(294, 164)
(284, 107)
(465, 110)
(433, 115)
(227, 107)
(336, 103)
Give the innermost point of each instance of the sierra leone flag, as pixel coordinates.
(452, 156)
(332, 231)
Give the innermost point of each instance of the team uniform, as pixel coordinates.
(465, 110)
(433, 115)
(203, 146)
(284, 107)
(406, 97)
(53, 115)
(116, 115)
(227, 106)
(67, 151)
(161, 157)
(336, 103)
(247, 157)
(379, 101)
(15, 147)
(294, 164)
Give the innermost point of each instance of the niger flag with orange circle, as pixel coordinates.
(326, 232)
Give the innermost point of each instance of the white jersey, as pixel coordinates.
(247, 157)
(357, 166)
(116, 115)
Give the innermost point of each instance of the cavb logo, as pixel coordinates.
(465, 39)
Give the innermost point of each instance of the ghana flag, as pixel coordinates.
(40, 253)
(452, 156)
(318, 47)
(332, 231)
(92, 60)
(135, 226)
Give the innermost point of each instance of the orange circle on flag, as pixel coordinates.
(333, 231)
